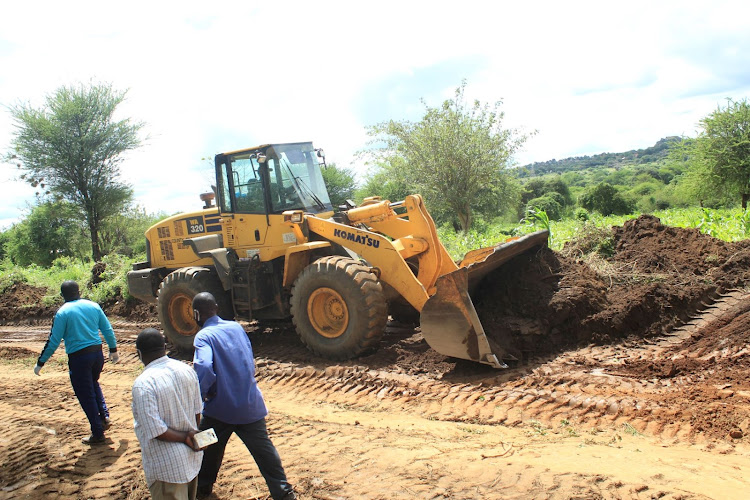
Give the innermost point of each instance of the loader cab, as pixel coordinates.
(271, 179)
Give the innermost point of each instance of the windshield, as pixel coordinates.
(296, 181)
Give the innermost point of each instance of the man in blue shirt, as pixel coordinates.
(78, 323)
(233, 402)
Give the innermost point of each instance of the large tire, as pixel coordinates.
(338, 308)
(174, 303)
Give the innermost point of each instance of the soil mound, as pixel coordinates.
(21, 301)
(656, 277)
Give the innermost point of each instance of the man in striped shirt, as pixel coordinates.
(166, 409)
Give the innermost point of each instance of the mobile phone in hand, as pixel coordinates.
(205, 438)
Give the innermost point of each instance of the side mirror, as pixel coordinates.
(321, 154)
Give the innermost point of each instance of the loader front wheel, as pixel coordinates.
(174, 303)
(338, 308)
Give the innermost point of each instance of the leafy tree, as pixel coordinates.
(456, 155)
(340, 183)
(389, 180)
(547, 203)
(557, 185)
(698, 183)
(74, 145)
(123, 233)
(51, 230)
(606, 200)
(721, 152)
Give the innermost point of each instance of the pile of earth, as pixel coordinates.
(655, 278)
(23, 302)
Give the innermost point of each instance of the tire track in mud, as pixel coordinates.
(582, 386)
(41, 449)
(585, 387)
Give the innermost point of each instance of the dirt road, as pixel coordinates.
(575, 425)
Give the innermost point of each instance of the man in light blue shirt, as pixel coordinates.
(78, 323)
(233, 402)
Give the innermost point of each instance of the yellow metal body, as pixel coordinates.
(381, 236)
(398, 240)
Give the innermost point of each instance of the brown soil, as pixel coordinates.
(22, 302)
(633, 381)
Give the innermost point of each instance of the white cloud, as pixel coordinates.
(211, 77)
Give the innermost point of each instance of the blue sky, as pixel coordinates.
(207, 77)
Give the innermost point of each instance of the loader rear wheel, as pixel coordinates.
(174, 303)
(338, 308)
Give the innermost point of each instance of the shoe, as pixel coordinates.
(106, 423)
(93, 440)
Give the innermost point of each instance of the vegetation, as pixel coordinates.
(718, 160)
(457, 156)
(340, 184)
(71, 149)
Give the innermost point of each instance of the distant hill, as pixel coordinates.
(636, 156)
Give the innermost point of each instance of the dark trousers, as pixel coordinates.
(255, 437)
(84, 370)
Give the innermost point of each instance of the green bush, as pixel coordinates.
(548, 204)
(605, 199)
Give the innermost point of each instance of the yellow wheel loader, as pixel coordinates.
(272, 247)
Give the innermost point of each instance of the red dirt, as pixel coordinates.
(660, 275)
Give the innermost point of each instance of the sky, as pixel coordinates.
(209, 77)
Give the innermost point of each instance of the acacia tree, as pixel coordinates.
(74, 145)
(457, 155)
(721, 152)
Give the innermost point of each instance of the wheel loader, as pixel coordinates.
(273, 247)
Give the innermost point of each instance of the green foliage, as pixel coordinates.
(388, 178)
(655, 153)
(114, 279)
(72, 147)
(605, 199)
(582, 214)
(340, 184)
(123, 233)
(549, 193)
(113, 284)
(548, 204)
(720, 155)
(456, 156)
(51, 230)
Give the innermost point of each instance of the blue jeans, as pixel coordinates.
(84, 370)
(255, 437)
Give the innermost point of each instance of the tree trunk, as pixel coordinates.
(744, 200)
(96, 252)
(464, 217)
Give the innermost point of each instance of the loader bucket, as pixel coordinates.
(449, 322)
(485, 260)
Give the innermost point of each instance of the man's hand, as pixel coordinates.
(37, 369)
(190, 441)
(114, 357)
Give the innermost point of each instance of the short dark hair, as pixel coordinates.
(69, 290)
(204, 302)
(150, 340)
